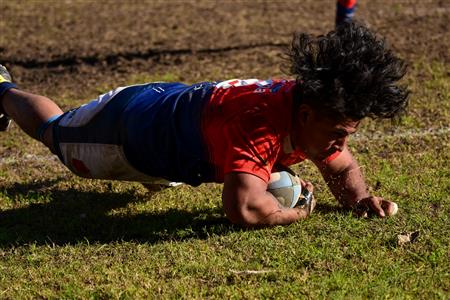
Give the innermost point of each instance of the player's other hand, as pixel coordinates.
(307, 185)
(307, 205)
(377, 206)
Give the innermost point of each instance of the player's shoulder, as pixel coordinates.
(256, 89)
(259, 85)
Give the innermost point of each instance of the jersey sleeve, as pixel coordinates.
(253, 145)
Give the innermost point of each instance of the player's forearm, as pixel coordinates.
(349, 186)
(262, 212)
(275, 214)
(247, 202)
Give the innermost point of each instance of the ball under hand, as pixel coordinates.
(285, 187)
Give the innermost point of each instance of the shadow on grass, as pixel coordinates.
(72, 216)
(327, 208)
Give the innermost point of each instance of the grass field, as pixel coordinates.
(66, 237)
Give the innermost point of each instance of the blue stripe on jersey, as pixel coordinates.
(163, 135)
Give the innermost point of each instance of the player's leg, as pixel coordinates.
(91, 139)
(31, 112)
(345, 9)
(88, 140)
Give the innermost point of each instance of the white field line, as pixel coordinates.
(402, 135)
(251, 272)
(52, 159)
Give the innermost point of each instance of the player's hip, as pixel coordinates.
(89, 139)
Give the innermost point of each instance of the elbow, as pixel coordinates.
(248, 217)
(237, 211)
(241, 216)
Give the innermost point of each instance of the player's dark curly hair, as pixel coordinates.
(349, 72)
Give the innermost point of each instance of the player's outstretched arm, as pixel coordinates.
(246, 202)
(346, 181)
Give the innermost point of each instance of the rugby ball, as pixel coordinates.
(285, 187)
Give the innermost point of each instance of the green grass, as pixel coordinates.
(66, 237)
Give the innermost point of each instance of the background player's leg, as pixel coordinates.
(345, 9)
(29, 111)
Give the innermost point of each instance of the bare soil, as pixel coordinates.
(74, 48)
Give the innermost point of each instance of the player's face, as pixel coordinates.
(319, 135)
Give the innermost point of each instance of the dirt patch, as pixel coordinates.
(60, 46)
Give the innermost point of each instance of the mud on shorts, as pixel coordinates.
(88, 139)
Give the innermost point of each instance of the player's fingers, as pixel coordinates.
(375, 206)
(361, 209)
(308, 206)
(307, 201)
(313, 204)
(308, 194)
(360, 213)
(308, 185)
(390, 208)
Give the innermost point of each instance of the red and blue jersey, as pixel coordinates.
(198, 133)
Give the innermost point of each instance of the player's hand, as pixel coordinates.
(375, 205)
(307, 185)
(309, 204)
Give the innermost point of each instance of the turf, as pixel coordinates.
(61, 236)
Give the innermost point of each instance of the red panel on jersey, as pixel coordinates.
(245, 124)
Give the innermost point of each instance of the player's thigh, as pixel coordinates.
(88, 140)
